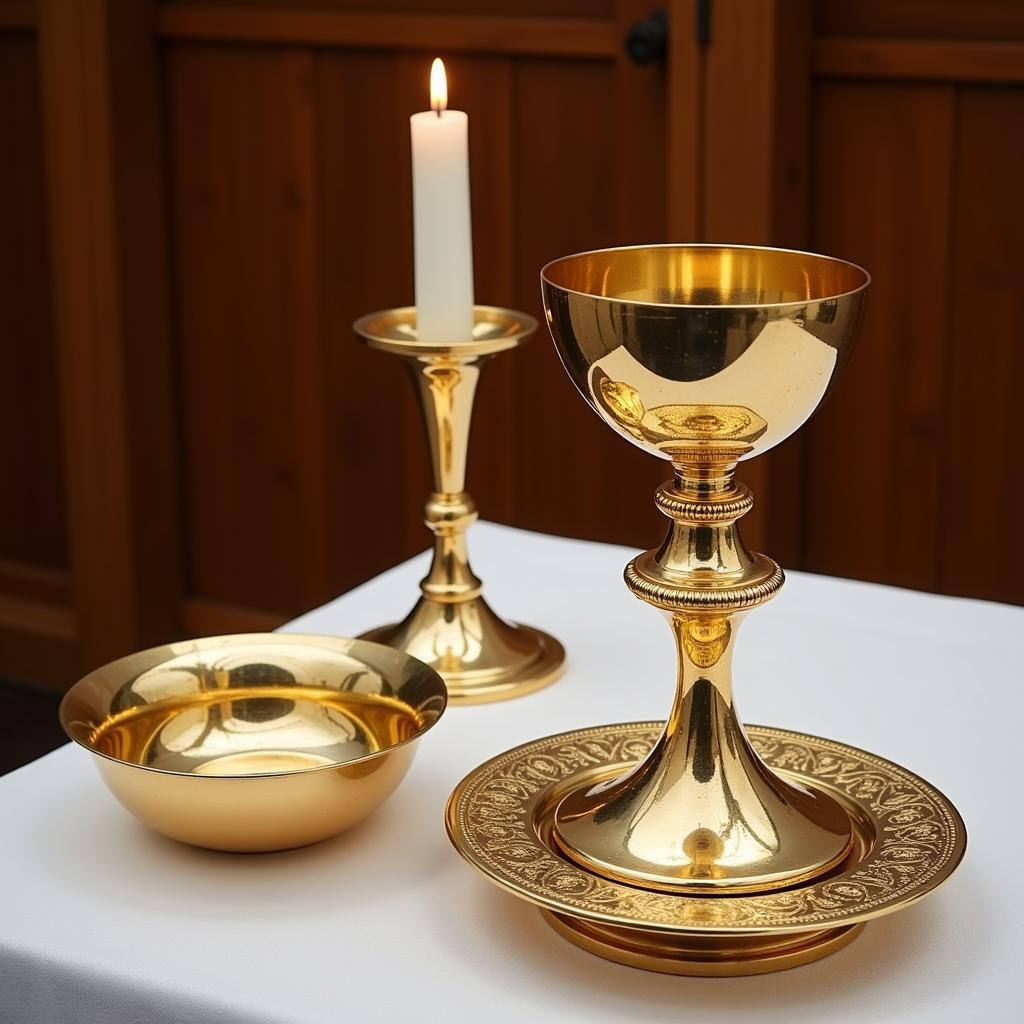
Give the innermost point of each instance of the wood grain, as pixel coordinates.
(32, 520)
(530, 8)
(242, 129)
(755, 191)
(208, 193)
(938, 60)
(492, 34)
(685, 84)
(982, 486)
(920, 19)
(17, 16)
(874, 458)
(112, 324)
(573, 475)
(377, 463)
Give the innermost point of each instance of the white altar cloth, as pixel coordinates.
(102, 921)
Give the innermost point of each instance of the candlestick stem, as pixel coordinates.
(446, 392)
(452, 628)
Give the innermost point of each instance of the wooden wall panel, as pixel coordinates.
(882, 198)
(573, 475)
(284, 140)
(37, 624)
(549, 8)
(484, 89)
(920, 19)
(305, 462)
(32, 521)
(377, 464)
(108, 262)
(755, 192)
(242, 128)
(983, 486)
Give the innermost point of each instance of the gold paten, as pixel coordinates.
(254, 742)
(908, 839)
(705, 356)
(481, 657)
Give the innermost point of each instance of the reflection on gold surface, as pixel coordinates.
(254, 730)
(481, 657)
(254, 742)
(705, 639)
(708, 851)
(679, 429)
(705, 355)
(908, 839)
(701, 813)
(706, 276)
(761, 332)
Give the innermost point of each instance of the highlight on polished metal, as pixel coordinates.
(907, 841)
(481, 657)
(703, 355)
(254, 742)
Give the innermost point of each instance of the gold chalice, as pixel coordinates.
(480, 656)
(696, 847)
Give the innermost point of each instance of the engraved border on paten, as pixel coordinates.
(520, 862)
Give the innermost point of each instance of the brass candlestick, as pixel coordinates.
(480, 656)
(696, 847)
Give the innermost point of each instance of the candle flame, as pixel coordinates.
(438, 86)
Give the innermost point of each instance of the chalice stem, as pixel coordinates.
(702, 812)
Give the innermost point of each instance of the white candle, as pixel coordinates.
(443, 239)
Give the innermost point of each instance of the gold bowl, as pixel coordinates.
(254, 742)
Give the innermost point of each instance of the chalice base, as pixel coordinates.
(481, 657)
(908, 839)
(703, 956)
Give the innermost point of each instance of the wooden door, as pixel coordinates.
(304, 467)
(206, 194)
(227, 453)
(913, 474)
(891, 134)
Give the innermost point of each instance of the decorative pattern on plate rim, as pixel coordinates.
(920, 837)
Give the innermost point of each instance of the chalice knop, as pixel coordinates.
(696, 847)
(451, 628)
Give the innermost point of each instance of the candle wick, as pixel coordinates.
(437, 110)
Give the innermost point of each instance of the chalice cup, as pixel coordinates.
(451, 627)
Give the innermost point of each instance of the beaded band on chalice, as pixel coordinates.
(451, 628)
(696, 846)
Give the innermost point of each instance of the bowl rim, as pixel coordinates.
(797, 304)
(254, 639)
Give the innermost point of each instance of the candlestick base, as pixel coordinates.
(481, 657)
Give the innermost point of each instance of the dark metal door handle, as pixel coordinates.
(647, 41)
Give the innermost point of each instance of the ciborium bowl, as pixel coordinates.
(701, 348)
(254, 742)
